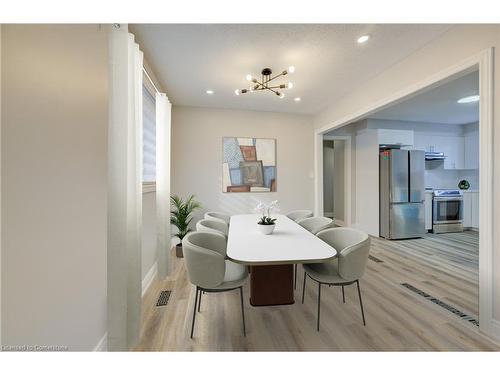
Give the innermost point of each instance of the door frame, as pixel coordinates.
(483, 62)
(347, 178)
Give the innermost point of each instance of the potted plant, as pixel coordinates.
(266, 223)
(181, 216)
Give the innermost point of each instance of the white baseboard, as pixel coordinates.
(102, 345)
(150, 276)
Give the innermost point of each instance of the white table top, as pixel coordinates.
(289, 243)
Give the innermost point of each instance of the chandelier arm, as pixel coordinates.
(270, 89)
(260, 84)
(276, 76)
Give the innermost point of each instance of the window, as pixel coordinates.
(148, 140)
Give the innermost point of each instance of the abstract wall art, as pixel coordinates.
(248, 165)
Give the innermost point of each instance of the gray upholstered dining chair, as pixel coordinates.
(353, 247)
(316, 224)
(299, 214)
(313, 225)
(209, 270)
(218, 216)
(216, 226)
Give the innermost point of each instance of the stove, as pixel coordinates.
(448, 193)
(447, 211)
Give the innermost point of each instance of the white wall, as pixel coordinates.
(197, 156)
(334, 178)
(54, 152)
(148, 258)
(339, 179)
(367, 182)
(459, 43)
(328, 180)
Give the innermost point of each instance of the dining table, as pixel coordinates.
(271, 258)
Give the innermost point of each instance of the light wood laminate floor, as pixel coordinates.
(444, 266)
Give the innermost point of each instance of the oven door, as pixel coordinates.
(447, 210)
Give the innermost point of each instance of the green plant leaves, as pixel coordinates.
(266, 220)
(181, 214)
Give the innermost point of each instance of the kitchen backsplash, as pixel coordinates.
(438, 178)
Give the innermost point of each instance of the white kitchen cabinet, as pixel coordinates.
(428, 210)
(471, 150)
(423, 141)
(471, 210)
(467, 211)
(451, 146)
(395, 137)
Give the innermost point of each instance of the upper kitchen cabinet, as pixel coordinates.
(395, 137)
(471, 150)
(451, 146)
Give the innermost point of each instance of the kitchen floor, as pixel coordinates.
(444, 265)
(398, 318)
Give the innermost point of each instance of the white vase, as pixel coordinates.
(266, 229)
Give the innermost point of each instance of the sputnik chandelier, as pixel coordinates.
(265, 82)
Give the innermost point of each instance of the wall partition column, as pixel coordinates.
(124, 189)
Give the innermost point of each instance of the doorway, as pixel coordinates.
(337, 179)
(334, 179)
(483, 63)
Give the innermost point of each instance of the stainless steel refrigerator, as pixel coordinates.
(402, 193)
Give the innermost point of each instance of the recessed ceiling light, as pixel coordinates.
(210, 92)
(468, 99)
(297, 99)
(363, 39)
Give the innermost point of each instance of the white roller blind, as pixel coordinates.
(148, 136)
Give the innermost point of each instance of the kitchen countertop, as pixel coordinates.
(428, 191)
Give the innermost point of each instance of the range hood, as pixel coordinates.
(432, 155)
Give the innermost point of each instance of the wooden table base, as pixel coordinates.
(271, 285)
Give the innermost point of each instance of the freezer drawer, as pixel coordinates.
(406, 220)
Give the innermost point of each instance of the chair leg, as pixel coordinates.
(304, 287)
(343, 295)
(243, 312)
(361, 303)
(319, 303)
(199, 302)
(194, 311)
(295, 282)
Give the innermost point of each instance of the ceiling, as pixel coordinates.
(190, 59)
(438, 105)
